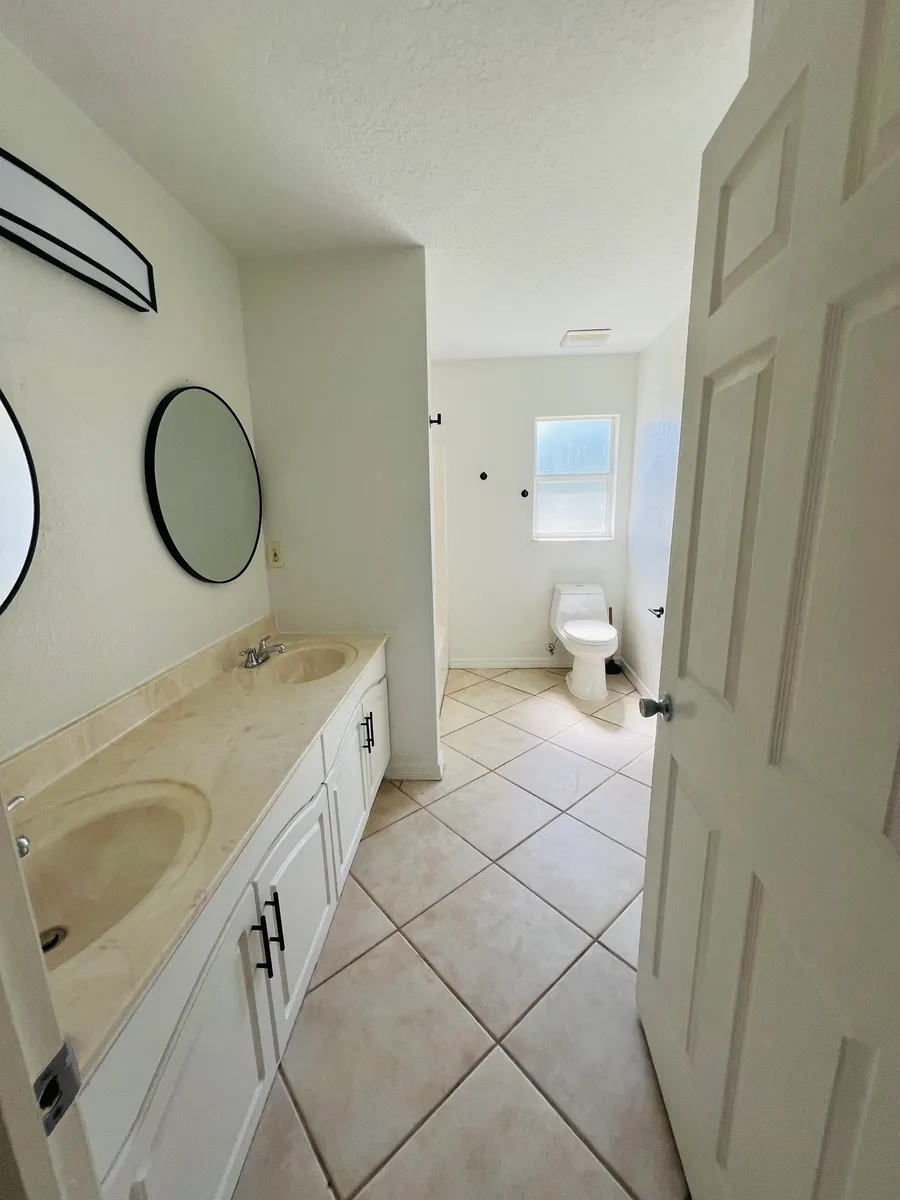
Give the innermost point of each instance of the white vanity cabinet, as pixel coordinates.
(193, 1135)
(296, 897)
(172, 1107)
(348, 795)
(377, 744)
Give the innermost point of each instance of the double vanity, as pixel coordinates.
(184, 879)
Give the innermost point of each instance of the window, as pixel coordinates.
(574, 477)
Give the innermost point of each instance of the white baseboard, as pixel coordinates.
(407, 769)
(509, 664)
(635, 678)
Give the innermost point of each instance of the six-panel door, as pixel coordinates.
(296, 895)
(769, 971)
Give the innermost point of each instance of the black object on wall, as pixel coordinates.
(42, 217)
(203, 484)
(20, 506)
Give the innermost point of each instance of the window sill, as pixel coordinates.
(575, 537)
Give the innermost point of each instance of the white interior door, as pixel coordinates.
(58, 1167)
(769, 980)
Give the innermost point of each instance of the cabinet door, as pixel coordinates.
(348, 796)
(375, 708)
(297, 896)
(193, 1136)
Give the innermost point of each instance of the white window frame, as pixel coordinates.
(611, 475)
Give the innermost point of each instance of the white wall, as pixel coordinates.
(104, 607)
(766, 15)
(656, 433)
(501, 580)
(336, 348)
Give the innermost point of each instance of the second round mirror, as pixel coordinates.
(203, 484)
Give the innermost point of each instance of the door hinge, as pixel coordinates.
(57, 1086)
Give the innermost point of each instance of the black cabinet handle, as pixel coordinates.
(657, 612)
(371, 721)
(263, 929)
(367, 744)
(275, 903)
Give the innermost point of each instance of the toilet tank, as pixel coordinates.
(573, 601)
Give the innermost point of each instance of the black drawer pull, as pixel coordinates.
(371, 720)
(367, 744)
(263, 929)
(275, 903)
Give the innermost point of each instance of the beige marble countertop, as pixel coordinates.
(231, 744)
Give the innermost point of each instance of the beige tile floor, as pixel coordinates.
(471, 1027)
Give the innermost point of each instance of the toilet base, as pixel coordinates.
(587, 679)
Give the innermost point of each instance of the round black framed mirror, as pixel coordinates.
(20, 506)
(203, 484)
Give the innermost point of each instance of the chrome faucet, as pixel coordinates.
(23, 844)
(257, 655)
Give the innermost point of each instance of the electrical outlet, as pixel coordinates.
(274, 557)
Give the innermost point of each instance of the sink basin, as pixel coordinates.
(301, 664)
(94, 859)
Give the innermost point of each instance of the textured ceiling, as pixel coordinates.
(545, 152)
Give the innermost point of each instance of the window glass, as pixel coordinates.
(574, 477)
(571, 508)
(574, 447)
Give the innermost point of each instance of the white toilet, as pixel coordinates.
(579, 618)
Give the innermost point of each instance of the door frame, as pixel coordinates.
(57, 1167)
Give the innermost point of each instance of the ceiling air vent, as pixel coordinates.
(575, 338)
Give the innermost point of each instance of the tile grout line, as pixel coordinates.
(497, 863)
(304, 1124)
(509, 849)
(614, 953)
(399, 928)
(550, 741)
(428, 963)
(521, 1017)
(496, 1042)
(594, 713)
(608, 927)
(354, 1192)
(614, 1174)
(608, 836)
(356, 958)
(594, 937)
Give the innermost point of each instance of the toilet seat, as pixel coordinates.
(590, 633)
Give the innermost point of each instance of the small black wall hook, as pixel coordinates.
(657, 612)
(435, 420)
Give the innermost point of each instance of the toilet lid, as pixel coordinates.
(590, 631)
